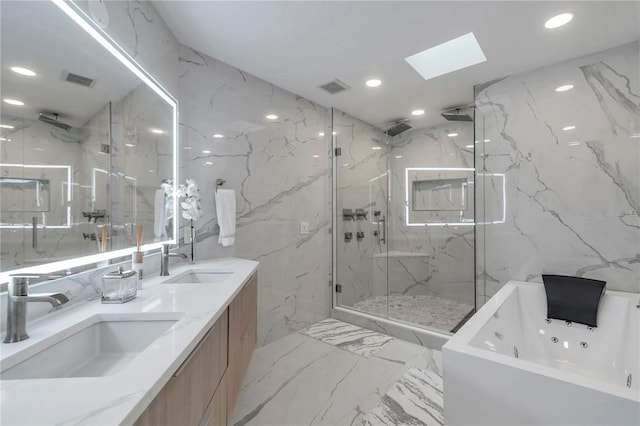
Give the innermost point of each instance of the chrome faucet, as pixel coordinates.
(17, 299)
(164, 259)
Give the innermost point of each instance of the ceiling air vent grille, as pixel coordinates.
(335, 86)
(78, 79)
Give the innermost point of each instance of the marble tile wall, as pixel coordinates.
(572, 195)
(448, 269)
(279, 171)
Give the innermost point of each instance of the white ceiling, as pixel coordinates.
(301, 45)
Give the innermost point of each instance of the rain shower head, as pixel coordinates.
(52, 119)
(397, 128)
(451, 116)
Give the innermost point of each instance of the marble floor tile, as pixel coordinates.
(409, 355)
(352, 338)
(416, 399)
(298, 380)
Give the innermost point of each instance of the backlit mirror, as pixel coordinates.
(87, 139)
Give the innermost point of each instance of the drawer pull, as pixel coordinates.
(192, 354)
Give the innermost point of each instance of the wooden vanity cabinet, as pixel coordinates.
(243, 323)
(203, 389)
(186, 396)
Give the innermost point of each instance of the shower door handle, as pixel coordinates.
(34, 232)
(384, 231)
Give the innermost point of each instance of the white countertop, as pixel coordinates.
(122, 397)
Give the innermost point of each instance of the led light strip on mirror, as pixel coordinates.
(84, 21)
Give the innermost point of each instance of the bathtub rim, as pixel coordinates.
(460, 342)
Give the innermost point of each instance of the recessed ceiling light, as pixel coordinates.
(6, 126)
(208, 162)
(272, 117)
(374, 82)
(487, 140)
(321, 134)
(13, 102)
(23, 71)
(453, 55)
(186, 147)
(398, 156)
(417, 112)
(635, 135)
(574, 143)
(3, 139)
(151, 171)
(568, 128)
(218, 136)
(564, 88)
(315, 156)
(452, 135)
(206, 152)
(469, 146)
(376, 147)
(130, 145)
(38, 149)
(558, 20)
(346, 165)
(157, 131)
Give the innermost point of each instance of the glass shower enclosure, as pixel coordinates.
(405, 222)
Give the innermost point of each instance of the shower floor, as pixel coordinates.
(428, 311)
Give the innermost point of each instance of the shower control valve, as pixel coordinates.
(348, 236)
(359, 235)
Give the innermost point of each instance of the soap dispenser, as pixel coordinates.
(119, 286)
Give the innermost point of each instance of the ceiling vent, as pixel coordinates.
(78, 79)
(335, 86)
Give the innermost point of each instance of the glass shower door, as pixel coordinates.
(362, 193)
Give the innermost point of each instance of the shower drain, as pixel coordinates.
(554, 339)
(584, 345)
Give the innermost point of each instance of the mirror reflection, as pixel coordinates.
(85, 144)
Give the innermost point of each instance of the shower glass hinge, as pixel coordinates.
(338, 288)
(338, 152)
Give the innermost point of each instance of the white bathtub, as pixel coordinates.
(505, 367)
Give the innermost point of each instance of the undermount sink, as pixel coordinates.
(199, 276)
(98, 347)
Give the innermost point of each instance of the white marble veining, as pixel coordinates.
(572, 195)
(122, 397)
(349, 337)
(300, 380)
(416, 399)
(279, 170)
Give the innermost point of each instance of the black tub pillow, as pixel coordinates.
(573, 299)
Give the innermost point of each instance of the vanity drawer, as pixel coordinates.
(187, 395)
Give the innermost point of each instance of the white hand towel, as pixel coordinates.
(158, 214)
(226, 213)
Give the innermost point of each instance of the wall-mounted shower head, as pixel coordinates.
(52, 119)
(454, 115)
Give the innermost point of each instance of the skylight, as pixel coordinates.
(453, 55)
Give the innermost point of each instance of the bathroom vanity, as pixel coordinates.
(185, 349)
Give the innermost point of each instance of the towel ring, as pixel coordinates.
(219, 182)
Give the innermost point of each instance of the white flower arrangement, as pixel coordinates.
(191, 208)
